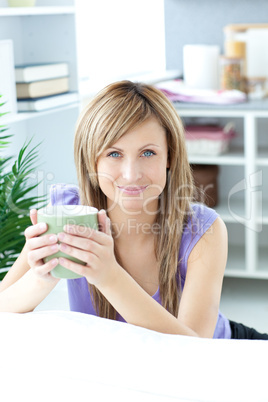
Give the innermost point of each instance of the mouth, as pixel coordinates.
(132, 190)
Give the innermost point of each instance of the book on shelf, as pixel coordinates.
(48, 102)
(39, 72)
(38, 89)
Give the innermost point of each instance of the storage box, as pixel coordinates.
(208, 140)
(206, 184)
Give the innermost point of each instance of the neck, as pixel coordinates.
(132, 226)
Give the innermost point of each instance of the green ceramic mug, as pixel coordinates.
(56, 217)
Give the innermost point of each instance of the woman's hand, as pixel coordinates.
(95, 248)
(39, 247)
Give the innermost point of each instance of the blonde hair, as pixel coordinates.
(117, 109)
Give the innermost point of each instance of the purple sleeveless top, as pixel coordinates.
(201, 220)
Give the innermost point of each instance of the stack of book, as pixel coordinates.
(43, 86)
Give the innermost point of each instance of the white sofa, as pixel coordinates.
(67, 356)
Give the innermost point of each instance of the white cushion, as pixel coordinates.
(67, 356)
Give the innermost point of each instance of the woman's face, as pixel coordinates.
(132, 172)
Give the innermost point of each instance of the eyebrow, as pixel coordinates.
(145, 146)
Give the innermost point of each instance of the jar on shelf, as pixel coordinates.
(231, 73)
(256, 87)
(235, 44)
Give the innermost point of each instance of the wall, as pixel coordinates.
(202, 22)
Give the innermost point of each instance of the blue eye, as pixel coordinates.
(148, 153)
(114, 154)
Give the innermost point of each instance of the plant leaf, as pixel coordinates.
(16, 199)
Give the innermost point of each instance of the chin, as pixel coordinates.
(132, 206)
(138, 207)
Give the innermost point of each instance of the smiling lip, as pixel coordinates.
(132, 190)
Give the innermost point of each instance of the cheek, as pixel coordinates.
(106, 178)
(160, 171)
(105, 173)
(158, 177)
(105, 181)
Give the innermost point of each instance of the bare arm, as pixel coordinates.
(138, 308)
(200, 300)
(24, 288)
(19, 268)
(25, 294)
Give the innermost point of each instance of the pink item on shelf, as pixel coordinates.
(208, 140)
(176, 90)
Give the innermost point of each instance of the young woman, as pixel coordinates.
(158, 260)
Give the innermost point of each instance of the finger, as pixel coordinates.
(44, 270)
(80, 243)
(104, 222)
(33, 216)
(85, 256)
(88, 233)
(41, 241)
(35, 230)
(39, 254)
(74, 267)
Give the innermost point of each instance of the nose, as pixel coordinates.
(131, 171)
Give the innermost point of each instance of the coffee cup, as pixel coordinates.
(56, 217)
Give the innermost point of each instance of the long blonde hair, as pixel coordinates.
(117, 109)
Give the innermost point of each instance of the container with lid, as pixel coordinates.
(231, 73)
(256, 87)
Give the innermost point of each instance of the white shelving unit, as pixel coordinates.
(22, 11)
(243, 191)
(44, 34)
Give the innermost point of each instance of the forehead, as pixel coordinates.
(150, 131)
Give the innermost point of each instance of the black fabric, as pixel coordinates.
(240, 331)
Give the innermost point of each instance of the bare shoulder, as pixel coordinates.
(213, 243)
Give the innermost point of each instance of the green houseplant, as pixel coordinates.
(15, 199)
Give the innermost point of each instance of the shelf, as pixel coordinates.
(262, 159)
(259, 108)
(246, 218)
(236, 265)
(23, 11)
(244, 274)
(263, 219)
(19, 117)
(237, 207)
(262, 266)
(233, 157)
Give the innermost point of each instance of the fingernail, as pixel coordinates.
(68, 229)
(63, 246)
(32, 211)
(42, 226)
(61, 236)
(102, 211)
(53, 238)
(54, 261)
